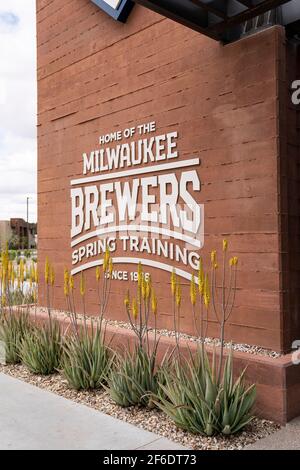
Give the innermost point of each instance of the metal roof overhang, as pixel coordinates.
(226, 20)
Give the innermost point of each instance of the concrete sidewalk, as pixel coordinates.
(32, 418)
(287, 438)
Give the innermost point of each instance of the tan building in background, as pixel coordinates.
(15, 232)
(5, 232)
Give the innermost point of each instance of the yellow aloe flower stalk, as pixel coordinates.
(154, 303)
(82, 285)
(9, 271)
(21, 271)
(225, 245)
(52, 276)
(98, 273)
(193, 291)
(134, 308)
(66, 282)
(140, 275)
(47, 270)
(201, 278)
(173, 282)
(106, 260)
(36, 275)
(5, 260)
(144, 288)
(32, 274)
(213, 257)
(71, 283)
(148, 288)
(206, 292)
(233, 261)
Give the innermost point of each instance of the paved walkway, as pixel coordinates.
(288, 438)
(32, 418)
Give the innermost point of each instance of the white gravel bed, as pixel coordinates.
(150, 420)
(247, 348)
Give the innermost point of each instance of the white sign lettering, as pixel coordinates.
(137, 197)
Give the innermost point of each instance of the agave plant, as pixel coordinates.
(133, 380)
(196, 401)
(41, 349)
(86, 359)
(13, 328)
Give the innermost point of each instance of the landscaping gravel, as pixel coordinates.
(247, 348)
(150, 420)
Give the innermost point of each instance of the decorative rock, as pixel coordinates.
(150, 420)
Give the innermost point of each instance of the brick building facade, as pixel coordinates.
(231, 108)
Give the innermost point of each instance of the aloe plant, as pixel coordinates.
(41, 349)
(236, 401)
(133, 380)
(13, 327)
(196, 401)
(134, 377)
(86, 359)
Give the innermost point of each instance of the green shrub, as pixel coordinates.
(13, 328)
(41, 349)
(12, 255)
(17, 297)
(196, 402)
(133, 380)
(86, 359)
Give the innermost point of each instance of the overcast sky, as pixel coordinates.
(17, 108)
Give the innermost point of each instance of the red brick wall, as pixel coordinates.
(96, 75)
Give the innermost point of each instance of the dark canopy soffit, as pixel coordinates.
(222, 20)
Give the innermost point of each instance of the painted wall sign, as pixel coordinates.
(138, 197)
(118, 9)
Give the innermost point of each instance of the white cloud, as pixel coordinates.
(18, 146)
(8, 20)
